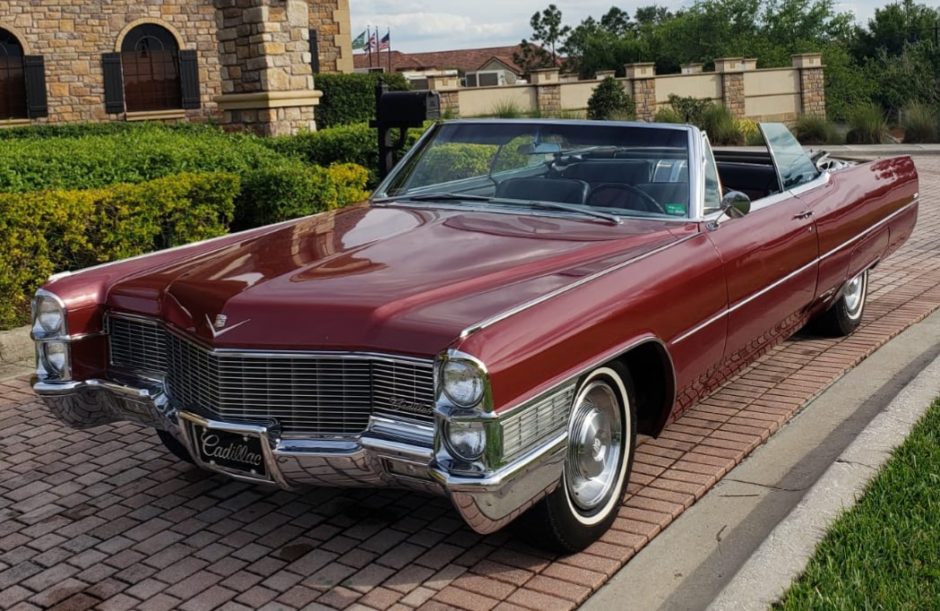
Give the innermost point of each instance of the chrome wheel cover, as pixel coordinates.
(595, 446)
(854, 295)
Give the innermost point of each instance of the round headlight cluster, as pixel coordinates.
(462, 382)
(50, 317)
(466, 440)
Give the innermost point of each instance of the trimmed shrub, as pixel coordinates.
(47, 231)
(137, 155)
(920, 123)
(357, 144)
(813, 129)
(279, 193)
(109, 128)
(350, 98)
(691, 110)
(721, 127)
(667, 114)
(454, 161)
(748, 129)
(610, 102)
(867, 125)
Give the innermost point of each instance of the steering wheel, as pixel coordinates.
(651, 205)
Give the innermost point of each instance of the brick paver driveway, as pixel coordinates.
(107, 518)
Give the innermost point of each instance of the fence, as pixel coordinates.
(772, 94)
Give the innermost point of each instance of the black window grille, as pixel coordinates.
(150, 61)
(12, 78)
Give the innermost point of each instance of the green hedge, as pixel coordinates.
(288, 191)
(356, 143)
(131, 156)
(350, 98)
(48, 231)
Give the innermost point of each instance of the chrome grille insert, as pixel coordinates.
(306, 393)
(536, 422)
(136, 344)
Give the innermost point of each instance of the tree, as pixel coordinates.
(897, 25)
(531, 57)
(548, 30)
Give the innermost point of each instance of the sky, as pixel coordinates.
(438, 25)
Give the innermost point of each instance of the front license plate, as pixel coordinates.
(237, 452)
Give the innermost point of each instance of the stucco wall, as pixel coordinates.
(477, 101)
(772, 94)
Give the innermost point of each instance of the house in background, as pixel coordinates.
(248, 65)
(489, 66)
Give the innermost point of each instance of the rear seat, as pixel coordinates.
(606, 171)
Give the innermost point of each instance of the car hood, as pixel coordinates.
(389, 279)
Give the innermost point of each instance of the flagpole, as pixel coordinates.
(369, 43)
(389, 49)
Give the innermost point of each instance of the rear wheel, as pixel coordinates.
(845, 314)
(601, 439)
(175, 447)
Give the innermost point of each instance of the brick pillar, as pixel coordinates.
(731, 70)
(267, 79)
(642, 79)
(449, 88)
(812, 83)
(548, 90)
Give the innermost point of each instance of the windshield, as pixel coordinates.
(592, 168)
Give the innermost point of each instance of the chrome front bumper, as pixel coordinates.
(389, 453)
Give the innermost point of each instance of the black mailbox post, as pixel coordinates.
(400, 110)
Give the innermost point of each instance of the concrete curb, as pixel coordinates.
(16, 345)
(764, 578)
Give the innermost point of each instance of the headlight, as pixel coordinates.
(466, 440)
(55, 356)
(462, 382)
(50, 316)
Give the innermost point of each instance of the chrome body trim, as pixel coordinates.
(743, 302)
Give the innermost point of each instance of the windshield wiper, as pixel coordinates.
(547, 205)
(544, 205)
(437, 197)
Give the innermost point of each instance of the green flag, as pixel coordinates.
(360, 42)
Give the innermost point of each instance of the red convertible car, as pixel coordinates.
(516, 302)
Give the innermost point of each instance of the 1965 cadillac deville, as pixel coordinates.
(517, 301)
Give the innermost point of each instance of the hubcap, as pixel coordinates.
(595, 446)
(854, 295)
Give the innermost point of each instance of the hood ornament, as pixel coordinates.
(217, 326)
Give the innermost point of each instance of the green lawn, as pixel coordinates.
(885, 552)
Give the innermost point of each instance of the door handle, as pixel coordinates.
(804, 215)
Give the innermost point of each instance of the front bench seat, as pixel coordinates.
(562, 190)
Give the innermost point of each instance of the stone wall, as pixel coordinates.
(331, 20)
(267, 76)
(812, 83)
(72, 35)
(254, 58)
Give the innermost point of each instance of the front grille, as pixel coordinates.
(137, 344)
(306, 393)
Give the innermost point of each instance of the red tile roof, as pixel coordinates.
(464, 60)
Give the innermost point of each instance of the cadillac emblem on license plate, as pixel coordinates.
(234, 452)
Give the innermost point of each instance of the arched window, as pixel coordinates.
(150, 59)
(12, 78)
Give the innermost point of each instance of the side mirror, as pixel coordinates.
(735, 204)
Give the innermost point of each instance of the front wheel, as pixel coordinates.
(845, 315)
(599, 457)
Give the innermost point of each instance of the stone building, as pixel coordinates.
(244, 63)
